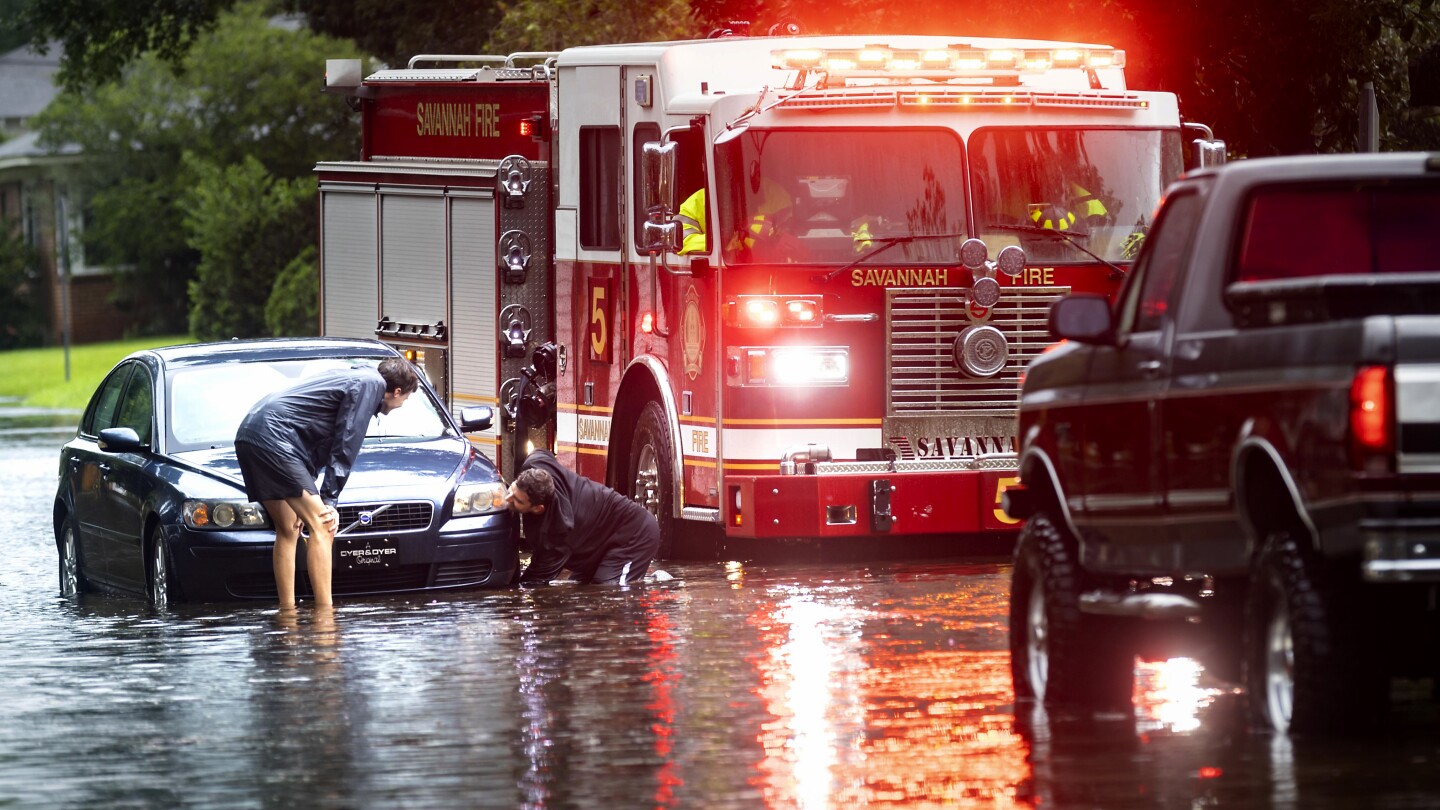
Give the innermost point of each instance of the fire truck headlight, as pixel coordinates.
(805, 366)
(981, 351)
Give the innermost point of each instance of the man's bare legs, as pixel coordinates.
(288, 516)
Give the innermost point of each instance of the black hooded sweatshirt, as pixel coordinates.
(583, 521)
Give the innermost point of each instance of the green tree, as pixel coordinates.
(102, 37)
(249, 90)
(544, 25)
(293, 308)
(395, 30)
(12, 31)
(24, 295)
(247, 226)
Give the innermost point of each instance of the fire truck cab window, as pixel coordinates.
(1097, 186)
(813, 196)
(600, 188)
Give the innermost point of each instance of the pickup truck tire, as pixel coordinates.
(1302, 673)
(1059, 656)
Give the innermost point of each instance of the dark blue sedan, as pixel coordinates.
(151, 500)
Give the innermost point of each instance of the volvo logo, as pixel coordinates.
(367, 518)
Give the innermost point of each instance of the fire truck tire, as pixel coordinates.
(1303, 672)
(651, 473)
(1059, 656)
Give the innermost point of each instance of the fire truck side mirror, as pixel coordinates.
(657, 166)
(1209, 153)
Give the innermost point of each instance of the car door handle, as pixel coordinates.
(1149, 368)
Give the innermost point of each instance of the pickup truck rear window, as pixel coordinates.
(1299, 232)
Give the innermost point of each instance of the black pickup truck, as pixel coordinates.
(1244, 450)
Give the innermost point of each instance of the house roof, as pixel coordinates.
(27, 81)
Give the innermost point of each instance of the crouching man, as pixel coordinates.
(572, 522)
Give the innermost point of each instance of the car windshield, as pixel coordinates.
(1101, 185)
(207, 403)
(833, 196)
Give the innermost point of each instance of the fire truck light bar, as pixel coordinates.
(881, 60)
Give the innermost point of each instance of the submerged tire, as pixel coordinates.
(160, 589)
(1059, 656)
(1303, 673)
(651, 473)
(72, 575)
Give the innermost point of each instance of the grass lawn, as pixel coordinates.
(37, 376)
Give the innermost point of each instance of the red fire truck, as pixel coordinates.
(826, 340)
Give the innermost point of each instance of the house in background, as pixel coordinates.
(34, 187)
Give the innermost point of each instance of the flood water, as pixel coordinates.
(739, 684)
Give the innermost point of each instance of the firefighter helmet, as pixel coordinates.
(1053, 217)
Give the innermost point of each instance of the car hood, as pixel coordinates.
(394, 468)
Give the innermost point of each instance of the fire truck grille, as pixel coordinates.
(405, 516)
(923, 324)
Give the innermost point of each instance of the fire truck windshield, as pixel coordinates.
(1099, 185)
(816, 196)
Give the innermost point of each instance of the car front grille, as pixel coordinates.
(394, 578)
(468, 572)
(386, 518)
(923, 324)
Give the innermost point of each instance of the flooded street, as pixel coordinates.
(737, 685)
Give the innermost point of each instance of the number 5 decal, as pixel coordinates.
(1001, 485)
(602, 310)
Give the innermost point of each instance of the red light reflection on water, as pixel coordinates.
(863, 718)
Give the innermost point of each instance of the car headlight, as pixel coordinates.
(478, 499)
(225, 515)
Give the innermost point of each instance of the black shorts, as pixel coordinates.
(271, 476)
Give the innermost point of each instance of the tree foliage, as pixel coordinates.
(395, 30)
(293, 308)
(1271, 78)
(248, 91)
(544, 25)
(247, 226)
(102, 37)
(24, 295)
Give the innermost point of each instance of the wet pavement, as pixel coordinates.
(739, 684)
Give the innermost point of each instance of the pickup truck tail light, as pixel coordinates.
(1372, 420)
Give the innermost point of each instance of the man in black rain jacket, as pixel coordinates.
(576, 523)
(293, 434)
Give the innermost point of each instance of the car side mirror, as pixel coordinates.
(1083, 318)
(121, 440)
(476, 418)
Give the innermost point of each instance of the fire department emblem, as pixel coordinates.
(692, 333)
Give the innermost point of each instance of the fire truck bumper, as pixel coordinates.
(859, 504)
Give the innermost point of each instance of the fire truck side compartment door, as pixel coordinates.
(348, 290)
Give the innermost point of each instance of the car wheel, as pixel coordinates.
(160, 588)
(72, 575)
(1059, 656)
(1301, 672)
(651, 473)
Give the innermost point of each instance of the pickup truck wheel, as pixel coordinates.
(1059, 656)
(1302, 674)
